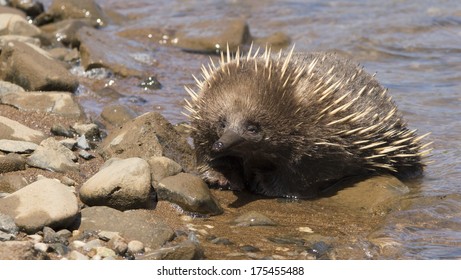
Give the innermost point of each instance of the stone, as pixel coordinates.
(105, 252)
(276, 41)
(12, 162)
(118, 244)
(85, 155)
(9, 10)
(90, 130)
(30, 7)
(139, 225)
(99, 49)
(15, 146)
(13, 130)
(213, 36)
(7, 87)
(7, 224)
(5, 39)
(64, 54)
(162, 167)
(190, 192)
(10, 183)
(52, 155)
(186, 250)
(146, 136)
(11, 24)
(69, 143)
(43, 203)
(78, 9)
(60, 130)
(76, 255)
(65, 31)
(50, 236)
(6, 236)
(41, 247)
(82, 143)
(135, 247)
(377, 195)
(19, 250)
(34, 69)
(93, 244)
(107, 235)
(54, 102)
(117, 114)
(124, 184)
(253, 218)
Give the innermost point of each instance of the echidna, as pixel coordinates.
(292, 124)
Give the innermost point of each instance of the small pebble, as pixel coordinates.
(135, 247)
(82, 143)
(68, 182)
(92, 245)
(76, 255)
(107, 235)
(119, 245)
(105, 252)
(85, 155)
(222, 241)
(305, 229)
(249, 248)
(41, 247)
(6, 236)
(78, 244)
(59, 248)
(65, 233)
(35, 238)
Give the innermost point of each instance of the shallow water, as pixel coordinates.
(414, 46)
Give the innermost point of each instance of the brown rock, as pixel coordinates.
(33, 69)
(146, 136)
(11, 163)
(19, 250)
(78, 9)
(13, 130)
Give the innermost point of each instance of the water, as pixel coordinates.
(414, 46)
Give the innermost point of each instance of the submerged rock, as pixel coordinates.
(117, 114)
(78, 9)
(33, 69)
(212, 36)
(133, 225)
(253, 218)
(123, 184)
(190, 192)
(46, 202)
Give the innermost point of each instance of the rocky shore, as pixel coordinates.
(123, 186)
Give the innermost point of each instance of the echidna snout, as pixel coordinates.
(293, 124)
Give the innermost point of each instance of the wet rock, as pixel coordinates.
(150, 83)
(249, 248)
(133, 225)
(117, 114)
(64, 54)
(7, 87)
(253, 218)
(30, 7)
(15, 146)
(37, 70)
(276, 41)
(212, 36)
(11, 24)
(9, 10)
(90, 131)
(378, 195)
(186, 250)
(60, 130)
(43, 203)
(221, 241)
(101, 50)
(54, 102)
(146, 136)
(5, 39)
(124, 184)
(7, 224)
(52, 155)
(13, 130)
(162, 167)
(65, 31)
(190, 192)
(78, 9)
(19, 250)
(10, 163)
(10, 183)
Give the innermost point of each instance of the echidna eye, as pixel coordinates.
(251, 128)
(222, 124)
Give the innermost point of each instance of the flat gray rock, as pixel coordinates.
(141, 225)
(46, 202)
(7, 87)
(54, 102)
(13, 130)
(123, 184)
(52, 155)
(15, 146)
(190, 192)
